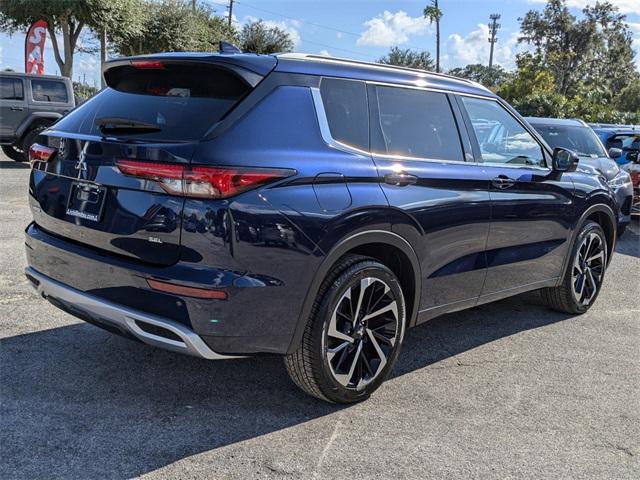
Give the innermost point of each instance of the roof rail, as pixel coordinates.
(323, 58)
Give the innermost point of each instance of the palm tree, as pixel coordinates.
(434, 14)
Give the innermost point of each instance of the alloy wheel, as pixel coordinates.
(588, 269)
(362, 333)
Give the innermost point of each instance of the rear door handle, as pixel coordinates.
(502, 182)
(400, 179)
(16, 109)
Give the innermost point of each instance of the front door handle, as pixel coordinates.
(502, 182)
(16, 109)
(400, 179)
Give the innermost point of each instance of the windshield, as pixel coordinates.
(629, 142)
(582, 140)
(174, 103)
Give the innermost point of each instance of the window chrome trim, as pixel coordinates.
(526, 127)
(325, 131)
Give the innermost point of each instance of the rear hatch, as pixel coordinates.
(94, 181)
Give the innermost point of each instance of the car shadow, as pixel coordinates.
(81, 403)
(629, 242)
(14, 165)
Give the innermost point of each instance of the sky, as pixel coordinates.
(363, 29)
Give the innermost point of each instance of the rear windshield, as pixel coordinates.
(182, 101)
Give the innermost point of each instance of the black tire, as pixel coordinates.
(566, 297)
(376, 340)
(31, 137)
(14, 153)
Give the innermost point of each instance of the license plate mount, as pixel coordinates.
(86, 201)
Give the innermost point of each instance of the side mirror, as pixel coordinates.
(615, 152)
(564, 160)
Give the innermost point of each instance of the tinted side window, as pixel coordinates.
(11, 89)
(345, 104)
(418, 123)
(501, 137)
(49, 91)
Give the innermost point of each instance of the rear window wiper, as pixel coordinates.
(125, 125)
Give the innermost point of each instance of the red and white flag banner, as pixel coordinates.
(34, 48)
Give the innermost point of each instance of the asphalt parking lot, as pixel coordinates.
(507, 390)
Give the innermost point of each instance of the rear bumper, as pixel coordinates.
(259, 315)
(150, 329)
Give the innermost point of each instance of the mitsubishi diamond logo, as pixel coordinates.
(80, 165)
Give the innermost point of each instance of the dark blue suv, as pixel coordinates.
(227, 205)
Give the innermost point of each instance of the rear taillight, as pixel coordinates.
(40, 153)
(202, 181)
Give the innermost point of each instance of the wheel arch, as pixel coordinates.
(37, 118)
(389, 248)
(602, 214)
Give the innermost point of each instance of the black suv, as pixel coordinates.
(225, 205)
(28, 105)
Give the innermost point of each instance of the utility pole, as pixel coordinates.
(103, 52)
(493, 31)
(230, 7)
(437, 38)
(193, 6)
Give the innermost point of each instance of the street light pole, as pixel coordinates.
(493, 31)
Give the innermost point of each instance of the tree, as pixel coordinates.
(69, 18)
(434, 14)
(408, 58)
(628, 100)
(174, 26)
(257, 37)
(530, 79)
(489, 77)
(596, 50)
(82, 92)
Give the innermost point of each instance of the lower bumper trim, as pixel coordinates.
(150, 329)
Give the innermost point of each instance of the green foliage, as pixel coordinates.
(173, 26)
(257, 37)
(579, 68)
(629, 98)
(489, 77)
(593, 50)
(432, 12)
(82, 91)
(69, 18)
(408, 58)
(530, 79)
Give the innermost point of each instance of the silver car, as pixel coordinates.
(576, 135)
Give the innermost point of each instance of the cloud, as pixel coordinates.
(635, 29)
(389, 29)
(625, 6)
(325, 53)
(461, 50)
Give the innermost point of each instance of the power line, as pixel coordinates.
(319, 25)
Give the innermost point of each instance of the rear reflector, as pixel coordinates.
(202, 181)
(40, 153)
(148, 64)
(187, 291)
